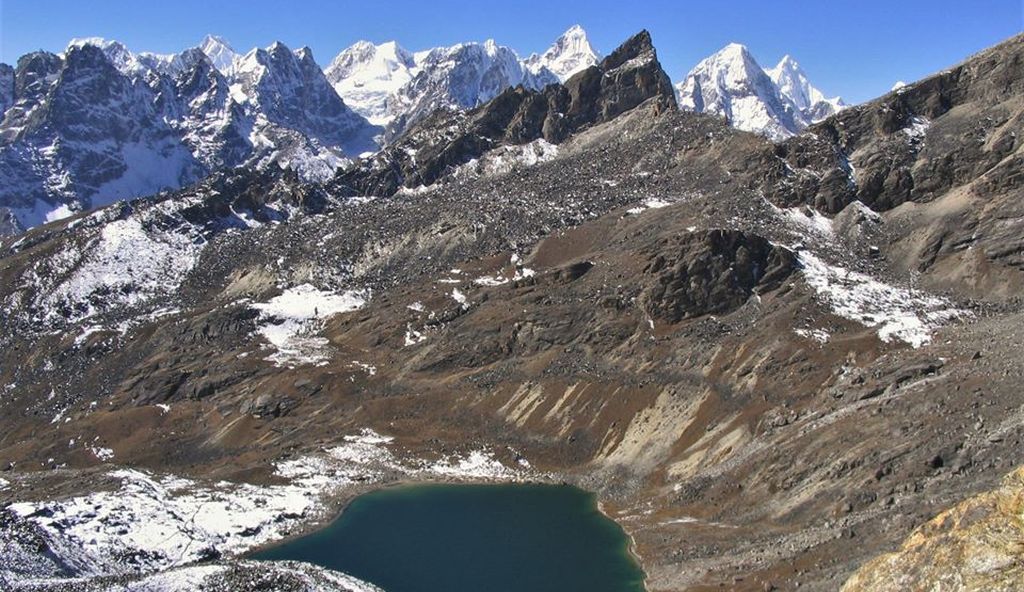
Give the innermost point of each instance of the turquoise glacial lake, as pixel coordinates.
(473, 538)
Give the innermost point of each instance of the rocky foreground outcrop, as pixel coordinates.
(710, 272)
(876, 153)
(976, 546)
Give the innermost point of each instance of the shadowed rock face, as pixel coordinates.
(627, 78)
(6, 88)
(711, 272)
(33, 76)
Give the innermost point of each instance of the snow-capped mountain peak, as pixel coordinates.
(793, 83)
(737, 64)
(366, 75)
(731, 83)
(125, 61)
(220, 52)
(103, 123)
(143, 65)
(569, 54)
(794, 86)
(777, 103)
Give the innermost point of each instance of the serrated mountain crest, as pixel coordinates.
(220, 52)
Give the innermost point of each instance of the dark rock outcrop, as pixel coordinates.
(6, 88)
(714, 271)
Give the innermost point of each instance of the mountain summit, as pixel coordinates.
(793, 85)
(391, 86)
(367, 75)
(221, 54)
(777, 103)
(569, 54)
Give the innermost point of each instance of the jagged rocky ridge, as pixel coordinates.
(628, 77)
(99, 123)
(756, 385)
(182, 116)
(397, 88)
(296, 124)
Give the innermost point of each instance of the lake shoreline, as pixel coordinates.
(340, 500)
(335, 510)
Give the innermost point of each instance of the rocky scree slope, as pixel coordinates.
(757, 388)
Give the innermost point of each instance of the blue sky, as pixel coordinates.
(854, 49)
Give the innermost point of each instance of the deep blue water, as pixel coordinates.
(473, 538)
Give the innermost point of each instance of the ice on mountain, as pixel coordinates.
(898, 313)
(220, 52)
(367, 75)
(777, 103)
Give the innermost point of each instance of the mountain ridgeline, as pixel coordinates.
(627, 78)
(134, 124)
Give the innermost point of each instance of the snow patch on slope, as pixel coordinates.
(899, 313)
(128, 263)
(291, 321)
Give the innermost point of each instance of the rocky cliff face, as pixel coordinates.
(974, 546)
(6, 88)
(82, 135)
(711, 272)
(290, 91)
(919, 141)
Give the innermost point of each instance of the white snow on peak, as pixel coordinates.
(128, 63)
(777, 103)
(793, 85)
(125, 61)
(569, 54)
(731, 84)
(367, 75)
(220, 52)
(462, 76)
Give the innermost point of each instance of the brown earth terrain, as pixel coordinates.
(653, 328)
